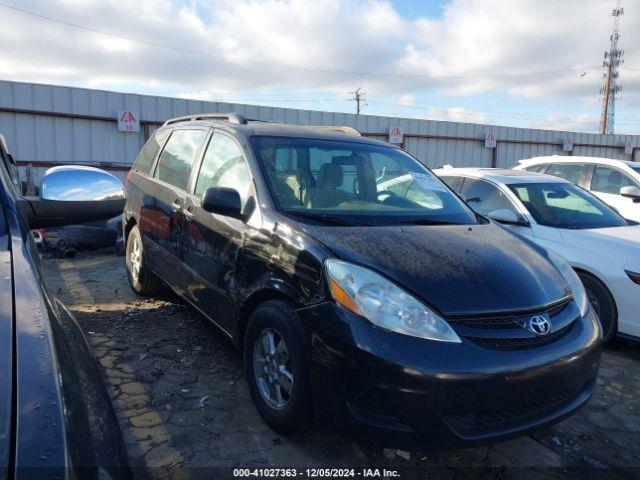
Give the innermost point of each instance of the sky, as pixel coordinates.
(525, 63)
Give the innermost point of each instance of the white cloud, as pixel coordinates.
(457, 114)
(407, 100)
(458, 54)
(579, 123)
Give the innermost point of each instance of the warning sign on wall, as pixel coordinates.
(567, 144)
(395, 135)
(128, 121)
(490, 140)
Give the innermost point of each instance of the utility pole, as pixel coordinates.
(612, 60)
(359, 94)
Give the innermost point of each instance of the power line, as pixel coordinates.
(478, 113)
(473, 112)
(289, 66)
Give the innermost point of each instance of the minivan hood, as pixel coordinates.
(458, 269)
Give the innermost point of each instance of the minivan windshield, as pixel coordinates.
(563, 205)
(343, 182)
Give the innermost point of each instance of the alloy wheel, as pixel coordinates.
(272, 368)
(135, 258)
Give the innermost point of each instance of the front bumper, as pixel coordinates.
(402, 391)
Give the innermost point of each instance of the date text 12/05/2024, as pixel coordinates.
(316, 473)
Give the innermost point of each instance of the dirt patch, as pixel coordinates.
(185, 411)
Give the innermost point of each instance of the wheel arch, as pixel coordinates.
(580, 270)
(258, 297)
(129, 224)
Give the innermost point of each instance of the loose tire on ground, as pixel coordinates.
(271, 323)
(142, 281)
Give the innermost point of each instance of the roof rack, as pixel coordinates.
(229, 117)
(337, 128)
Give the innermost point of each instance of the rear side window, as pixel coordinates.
(536, 168)
(149, 151)
(223, 165)
(178, 156)
(610, 180)
(571, 172)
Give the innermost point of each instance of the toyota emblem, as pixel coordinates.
(539, 325)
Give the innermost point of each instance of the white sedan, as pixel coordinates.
(602, 246)
(615, 182)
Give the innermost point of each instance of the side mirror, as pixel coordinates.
(632, 192)
(222, 201)
(505, 215)
(71, 195)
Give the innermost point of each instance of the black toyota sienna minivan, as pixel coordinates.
(358, 287)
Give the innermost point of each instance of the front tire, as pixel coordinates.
(277, 368)
(602, 303)
(141, 279)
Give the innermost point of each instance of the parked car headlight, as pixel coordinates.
(384, 304)
(575, 284)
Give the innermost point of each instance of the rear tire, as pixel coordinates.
(277, 368)
(602, 303)
(141, 279)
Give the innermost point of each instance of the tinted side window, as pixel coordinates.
(484, 197)
(223, 165)
(569, 171)
(148, 153)
(610, 180)
(178, 155)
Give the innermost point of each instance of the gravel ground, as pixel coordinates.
(185, 411)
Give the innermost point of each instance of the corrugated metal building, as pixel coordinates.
(48, 125)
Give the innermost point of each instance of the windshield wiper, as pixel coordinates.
(420, 221)
(325, 217)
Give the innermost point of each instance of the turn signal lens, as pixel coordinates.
(343, 298)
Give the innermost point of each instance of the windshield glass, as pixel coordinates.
(563, 205)
(352, 183)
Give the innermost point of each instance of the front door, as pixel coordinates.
(212, 242)
(162, 220)
(606, 183)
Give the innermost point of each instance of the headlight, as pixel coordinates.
(575, 284)
(370, 295)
